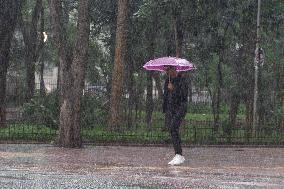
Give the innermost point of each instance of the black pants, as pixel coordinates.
(173, 121)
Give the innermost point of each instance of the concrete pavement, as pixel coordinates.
(45, 166)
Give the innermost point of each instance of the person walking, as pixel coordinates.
(175, 108)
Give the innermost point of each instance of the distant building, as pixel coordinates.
(201, 96)
(50, 76)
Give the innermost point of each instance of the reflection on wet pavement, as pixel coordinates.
(46, 166)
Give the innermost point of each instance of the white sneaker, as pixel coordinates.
(177, 160)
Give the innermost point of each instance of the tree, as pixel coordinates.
(178, 26)
(32, 46)
(40, 49)
(9, 12)
(117, 74)
(72, 71)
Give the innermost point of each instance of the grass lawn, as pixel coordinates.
(27, 132)
(198, 117)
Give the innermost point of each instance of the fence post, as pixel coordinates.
(194, 134)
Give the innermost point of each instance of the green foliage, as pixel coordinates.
(190, 134)
(94, 111)
(44, 110)
(98, 68)
(208, 26)
(28, 132)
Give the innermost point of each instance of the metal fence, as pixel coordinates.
(38, 122)
(192, 133)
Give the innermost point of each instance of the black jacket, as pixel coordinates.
(178, 97)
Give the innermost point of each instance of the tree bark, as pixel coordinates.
(113, 28)
(249, 110)
(190, 90)
(10, 10)
(151, 34)
(30, 34)
(234, 105)
(40, 51)
(4, 60)
(72, 72)
(178, 26)
(149, 99)
(281, 121)
(139, 94)
(42, 85)
(157, 79)
(117, 74)
(219, 86)
(131, 91)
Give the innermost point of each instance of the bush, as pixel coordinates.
(94, 111)
(199, 108)
(44, 110)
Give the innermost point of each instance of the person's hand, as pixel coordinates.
(170, 86)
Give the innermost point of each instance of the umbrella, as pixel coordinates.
(160, 64)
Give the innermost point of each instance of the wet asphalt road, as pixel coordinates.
(44, 166)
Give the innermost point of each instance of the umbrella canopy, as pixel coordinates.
(160, 64)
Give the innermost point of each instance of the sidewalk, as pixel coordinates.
(44, 166)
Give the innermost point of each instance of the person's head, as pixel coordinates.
(171, 71)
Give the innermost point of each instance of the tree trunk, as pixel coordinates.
(40, 51)
(58, 82)
(249, 110)
(262, 94)
(219, 87)
(131, 91)
(157, 79)
(10, 10)
(117, 74)
(190, 90)
(217, 90)
(30, 34)
(3, 73)
(234, 105)
(178, 24)
(281, 122)
(60, 41)
(72, 72)
(42, 85)
(139, 94)
(151, 34)
(149, 99)
(112, 54)
(170, 50)
(215, 96)
(30, 77)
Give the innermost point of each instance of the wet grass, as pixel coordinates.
(190, 135)
(196, 116)
(25, 131)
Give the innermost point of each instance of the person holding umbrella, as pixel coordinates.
(175, 97)
(175, 108)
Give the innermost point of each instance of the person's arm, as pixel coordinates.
(183, 94)
(184, 90)
(165, 97)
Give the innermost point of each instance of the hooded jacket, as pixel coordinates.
(176, 99)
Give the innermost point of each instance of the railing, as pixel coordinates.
(196, 131)
(191, 135)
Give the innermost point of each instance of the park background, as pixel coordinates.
(71, 71)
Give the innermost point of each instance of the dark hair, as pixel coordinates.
(169, 67)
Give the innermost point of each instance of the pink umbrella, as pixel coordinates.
(159, 64)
